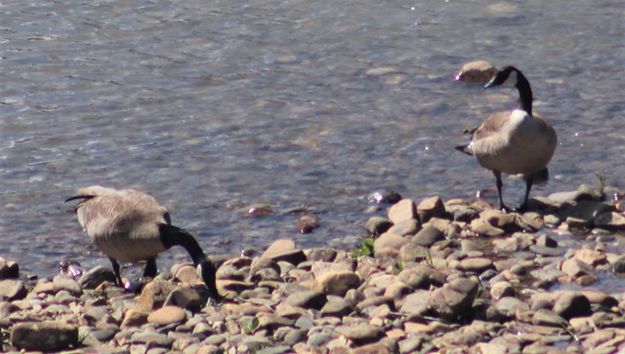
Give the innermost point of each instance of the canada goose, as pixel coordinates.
(476, 72)
(513, 142)
(130, 226)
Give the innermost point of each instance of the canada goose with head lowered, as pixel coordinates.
(513, 142)
(131, 226)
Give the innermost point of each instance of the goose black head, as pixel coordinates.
(207, 271)
(507, 76)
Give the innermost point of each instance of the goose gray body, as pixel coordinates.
(513, 142)
(124, 224)
(131, 226)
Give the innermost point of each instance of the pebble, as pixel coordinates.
(403, 210)
(167, 315)
(427, 236)
(452, 290)
(11, 289)
(44, 336)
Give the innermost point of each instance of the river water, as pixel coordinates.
(213, 106)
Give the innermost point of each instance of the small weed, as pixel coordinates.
(250, 326)
(365, 248)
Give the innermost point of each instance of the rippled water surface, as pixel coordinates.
(213, 106)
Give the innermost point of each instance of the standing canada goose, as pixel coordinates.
(513, 142)
(130, 226)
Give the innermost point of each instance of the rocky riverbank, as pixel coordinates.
(436, 276)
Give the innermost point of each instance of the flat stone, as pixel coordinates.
(576, 268)
(454, 298)
(96, 276)
(499, 219)
(61, 282)
(591, 257)
(187, 274)
(154, 294)
(44, 336)
(510, 305)
(428, 236)
(167, 315)
(403, 210)
(412, 252)
(361, 333)
(548, 318)
(546, 241)
(284, 250)
(11, 289)
(338, 308)
(501, 289)
(322, 254)
(377, 225)
(432, 207)
(483, 227)
(405, 228)
(186, 298)
(570, 304)
(337, 283)
(477, 265)
(134, 318)
(152, 339)
(388, 241)
(416, 303)
(312, 299)
(270, 322)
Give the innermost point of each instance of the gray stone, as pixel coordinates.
(546, 241)
(295, 336)
(152, 339)
(454, 298)
(509, 306)
(428, 236)
(44, 336)
(501, 289)
(405, 228)
(416, 303)
(186, 298)
(11, 289)
(403, 210)
(411, 344)
(96, 276)
(432, 207)
(337, 308)
(307, 299)
(570, 305)
(270, 323)
(337, 283)
(323, 254)
(576, 268)
(548, 318)
(411, 252)
(318, 340)
(377, 225)
(61, 282)
(361, 334)
(477, 265)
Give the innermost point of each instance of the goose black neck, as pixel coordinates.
(525, 93)
(174, 236)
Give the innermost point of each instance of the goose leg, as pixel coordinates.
(528, 186)
(150, 268)
(502, 206)
(118, 275)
